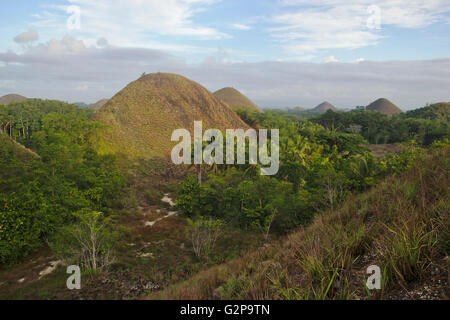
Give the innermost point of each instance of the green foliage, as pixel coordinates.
(424, 125)
(319, 168)
(40, 193)
(88, 242)
(204, 233)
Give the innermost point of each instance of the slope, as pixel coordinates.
(401, 226)
(384, 106)
(144, 114)
(324, 107)
(236, 99)
(7, 99)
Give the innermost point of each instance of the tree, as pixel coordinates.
(204, 233)
(89, 242)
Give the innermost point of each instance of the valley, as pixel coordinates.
(354, 188)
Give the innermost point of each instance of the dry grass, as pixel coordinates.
(402, 225)
(143, 115)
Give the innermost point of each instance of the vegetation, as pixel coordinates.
(41, 190)
(319, 168)
(236, 99)
(308, 232)
(423, 125)
(400, 225)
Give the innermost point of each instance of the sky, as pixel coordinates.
(280, 53)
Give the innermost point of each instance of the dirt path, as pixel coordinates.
(166, 199)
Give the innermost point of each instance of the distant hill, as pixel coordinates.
(99, 104)
(440, 110)
(145, 113)
(324, 107)
(236, 99)
(7, 99)
(81, 104)
(384, 106)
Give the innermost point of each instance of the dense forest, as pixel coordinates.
(43, 189)
(423, 125)
(320, 165)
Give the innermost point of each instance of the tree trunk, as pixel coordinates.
(199, 174)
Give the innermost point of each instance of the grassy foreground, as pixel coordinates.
(402, 226)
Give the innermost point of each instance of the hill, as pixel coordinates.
(384, 106)
(99, 104)
(144, 114)
(324, 107)
(439, 111)
(236, 99)
(7, 99)
(399, 225)
(19, 151)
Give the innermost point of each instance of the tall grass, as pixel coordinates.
(402, 225)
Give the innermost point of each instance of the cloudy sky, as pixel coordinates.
(281, 53)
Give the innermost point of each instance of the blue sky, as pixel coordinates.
(215, 41)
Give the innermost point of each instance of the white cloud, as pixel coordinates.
(240, 26)
(330, 59)
(26, 37)
(82, 87)
(58, 68)
(133, 21)
(343, 24)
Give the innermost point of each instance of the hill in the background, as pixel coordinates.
(99, 104)
(236, 99)
(144, 114)
(384, 106)
(440, 111)
(81, 104)
(9, 98)
(324, 107)
(95, 106)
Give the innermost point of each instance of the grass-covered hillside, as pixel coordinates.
(145, 113)
(236, 99)
(401, 225)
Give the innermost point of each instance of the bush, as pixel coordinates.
(88, 243)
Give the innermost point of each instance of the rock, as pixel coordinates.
(218, 293)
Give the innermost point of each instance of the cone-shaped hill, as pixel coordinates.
(9, 98)
(144, 114)
(236, 99)
(384, 106)
(324, 107)
(99, 104)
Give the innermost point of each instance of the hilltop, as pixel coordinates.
(236, 99)
(384, 106)
(144, 114)
(9, 98)
(324, 107)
